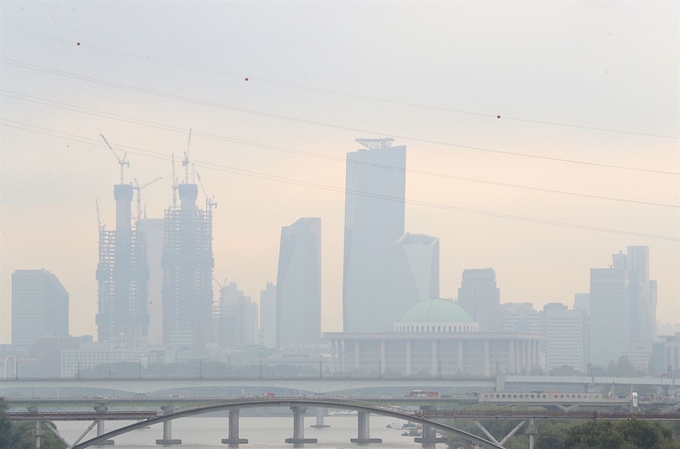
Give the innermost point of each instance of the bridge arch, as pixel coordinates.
(287, 402)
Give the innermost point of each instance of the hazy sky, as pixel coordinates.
(609, 64)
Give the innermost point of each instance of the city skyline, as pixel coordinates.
(289, 169)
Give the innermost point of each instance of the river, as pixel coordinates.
(264, 432)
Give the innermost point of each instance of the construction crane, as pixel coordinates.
(122, 162)
(138, 188)
(209, 201)
(99, 219)
(174, 184)
(185, 161)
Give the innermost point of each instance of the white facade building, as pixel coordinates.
(90, 355)
(566, 337)
(434, 337)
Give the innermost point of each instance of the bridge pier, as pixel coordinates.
(429, 438)
(101, 431)
(320, 414)
(234, 439)
(37, 434)
(299, 426)
(364, 433)
(167, 429)
(532, 432)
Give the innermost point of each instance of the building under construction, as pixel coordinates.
(122, 274)
(187, 271)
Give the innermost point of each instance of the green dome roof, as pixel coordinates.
(435, 311)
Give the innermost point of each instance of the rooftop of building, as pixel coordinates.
(435, 310)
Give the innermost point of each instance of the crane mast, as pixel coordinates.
(138, 188)
(122, 162)
(185, 161)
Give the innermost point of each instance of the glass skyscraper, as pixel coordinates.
(298, 284)
(378, 285)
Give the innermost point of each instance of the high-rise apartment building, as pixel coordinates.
(153, 232)
(39, 307)
(609, 314)
(268, 316)
(634, 294)
(122, 274)
(481, 298)
(187, 272)
(378, 284)
(422, 253)
(237, 318)
(298, 284)
(566, 334)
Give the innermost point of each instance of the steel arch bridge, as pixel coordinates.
(280, 402)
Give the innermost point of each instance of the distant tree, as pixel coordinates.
(564, 370)
(625, 368)
(5, 425)
(598, 434)
(611, 368)
(629, 434)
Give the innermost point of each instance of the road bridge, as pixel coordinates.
(334, 384)
(298, 406)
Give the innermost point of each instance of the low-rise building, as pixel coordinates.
(434, 337)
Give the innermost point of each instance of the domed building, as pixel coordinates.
(435, 315)
(434, 337)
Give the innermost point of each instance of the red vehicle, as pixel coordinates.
(423, 394)
(269, 395)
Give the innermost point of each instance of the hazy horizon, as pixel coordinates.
(597, 66)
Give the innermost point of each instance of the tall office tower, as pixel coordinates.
(268, 316)
(39, 307)
(422, 253)
(566, 337)
(642, 295)
(480, 297)
(378, 285)
(122, 274)
(187, 272)
(237, 318)
(582, 302)
(298, 284)
(609, 314)
(153, 232)
(521, 317)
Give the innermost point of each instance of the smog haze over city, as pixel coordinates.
(541, 137)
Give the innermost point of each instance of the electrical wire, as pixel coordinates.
(258, 175)
(66, 106)
(324, 91)
(313, 122)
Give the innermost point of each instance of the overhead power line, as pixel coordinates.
(157, 125)
(253, 174)
(313, 122)
(328, 91)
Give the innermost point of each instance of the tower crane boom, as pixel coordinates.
(138, 188)
(122, 162)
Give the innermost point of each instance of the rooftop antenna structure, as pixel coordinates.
(174, 184)
(376, 144)
(122, 162)
(138, 188)
(210, 202)
(185, 160)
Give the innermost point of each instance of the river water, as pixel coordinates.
(261, 432)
